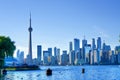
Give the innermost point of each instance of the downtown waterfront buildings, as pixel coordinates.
(96, 53)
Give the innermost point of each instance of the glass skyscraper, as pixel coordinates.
(98, 49)
(99, 43)
(93, 44)
(87, 53)
(50, 52)
(76, 45)
(72, 57)
(46, 57)
(84, 43)
(64, 58)
(55, 51)
(70, 47)
(39, 52)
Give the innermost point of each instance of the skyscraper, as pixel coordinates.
(55, 55)
(50, 52)
(105, 54)
(72, 57)
(76, 45)
(91, 57)
(64, 58)
(95, 60)
(87, 50)
(30, 43)
(84, 43)
(98, 49)
(99, 43)
(93, 44)
(58, 55)
(39, 52)
(18, 54)
(55, 51)
(46, 57)
(21, 57)
(117, 54)
(70, 47)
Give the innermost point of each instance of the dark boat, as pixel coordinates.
(49, 72)
(83, 70)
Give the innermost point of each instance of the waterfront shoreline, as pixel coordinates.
(21, 68)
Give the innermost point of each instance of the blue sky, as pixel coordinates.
(57, 22)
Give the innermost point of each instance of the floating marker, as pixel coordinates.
(83, 70)
(49, 72)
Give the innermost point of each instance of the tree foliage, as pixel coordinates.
(7, 47)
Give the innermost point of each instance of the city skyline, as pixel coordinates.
(90, 54)
(56, 23)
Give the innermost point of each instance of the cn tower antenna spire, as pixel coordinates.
(30, 19)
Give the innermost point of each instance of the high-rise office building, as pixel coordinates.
(99, 43)
(105, 54)
(112, 56)
(91, 57)
(98, 56)
(21, 59)
(50, 55)
(78, 57)
(18, 54)
(58, 55)
(76, 45)
(95, 60)
(118, 58)
(98, 49)
(87, 49)
(53, 60)
(64, 58)
(55, 51)
(72, 57)
(84, 43)
(46, 57)
(39, 53)
(50, 52)
(70, 46)
(117, 54)
(93, 44)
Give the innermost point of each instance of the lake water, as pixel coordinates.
(68, 73)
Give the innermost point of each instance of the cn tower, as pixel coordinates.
(30, 42)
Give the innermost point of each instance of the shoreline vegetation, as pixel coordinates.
(7, 48)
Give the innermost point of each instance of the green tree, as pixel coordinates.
(7, 48)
